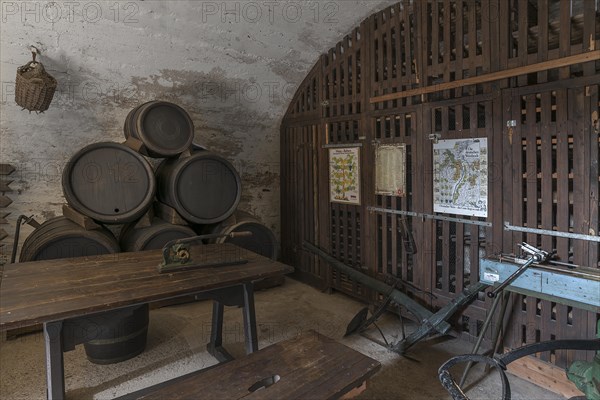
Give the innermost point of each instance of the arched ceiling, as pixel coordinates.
(232, 65)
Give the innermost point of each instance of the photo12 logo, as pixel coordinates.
(69, 11)
(261, 11)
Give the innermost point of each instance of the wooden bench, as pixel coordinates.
(311, 366)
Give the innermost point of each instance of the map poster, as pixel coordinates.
(344, 175)
(390, 170)
(460, 174)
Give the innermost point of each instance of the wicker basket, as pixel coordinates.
(34, 87)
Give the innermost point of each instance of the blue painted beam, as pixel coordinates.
(571, 288)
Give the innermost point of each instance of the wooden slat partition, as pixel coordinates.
(543, 172)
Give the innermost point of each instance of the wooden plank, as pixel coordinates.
(494, 76)
(545, 375)
(564, 38)
(593, 111)
(460, 262)
(531, 181)
(542, 51)
(4, 186)
(6, 169)
(311, 366)
(546, 166)
(447, 50)
(562, 171)
(5, 201)
(579, 183)
(84, 221)
(408, 39)
(495, 135)
(522, 39)
(445, 256)
(35, 292)
(394, 239)
(3, 234)
(516, 203)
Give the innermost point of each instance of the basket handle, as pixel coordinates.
(37, 65)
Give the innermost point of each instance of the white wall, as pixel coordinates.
(233, 65)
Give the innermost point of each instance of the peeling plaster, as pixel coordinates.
(235, 78)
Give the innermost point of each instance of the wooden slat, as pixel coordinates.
(592, 106)
(445, 256)
(562, 170)
(310, 366)
(564, 38)
(520, 174)
(460, 266)
(546, 166)
(35, 292)
(494, 76)
(581, 134)
(5, 201)
(544, 375)
(3, 233)
(6, 169)
(4, 186)
(531, 166)
(522, 38)
(82, 220)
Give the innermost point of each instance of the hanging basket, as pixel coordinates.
(34, 87)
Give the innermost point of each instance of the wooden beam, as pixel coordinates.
(4, 185)
(75, 216)
(4, 201)
(6, 169)
(509, 73)
(545, 375)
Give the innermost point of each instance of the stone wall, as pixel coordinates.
(233, 65)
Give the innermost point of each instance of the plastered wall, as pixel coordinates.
(233, 65)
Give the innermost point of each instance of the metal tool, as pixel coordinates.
(430, 322)
(500, 362)
(177, 255)
(21, 220)
(535, 256)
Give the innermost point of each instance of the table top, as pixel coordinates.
(53, 290)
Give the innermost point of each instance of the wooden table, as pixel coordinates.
(64, 294)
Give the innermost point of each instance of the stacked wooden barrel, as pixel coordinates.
(192, 190)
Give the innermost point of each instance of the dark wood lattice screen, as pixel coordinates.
(542, 173)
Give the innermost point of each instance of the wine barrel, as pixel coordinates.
(109, 182)
(165, 128)
(152, 237)
(117, 336)
(114, 336)
(204, 188)
(262, 241)
(61, 238)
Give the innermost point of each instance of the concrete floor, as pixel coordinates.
(178, 335)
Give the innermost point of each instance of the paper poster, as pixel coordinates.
(390, 170)
(460, 180)
(344, 175)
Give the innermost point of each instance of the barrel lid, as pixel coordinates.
(109, 182)
(165, 128)
(208, 188)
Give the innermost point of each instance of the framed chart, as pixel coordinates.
(344, 175)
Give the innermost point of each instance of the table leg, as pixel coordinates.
(55, 373)
(250, 319)
(215, 346)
